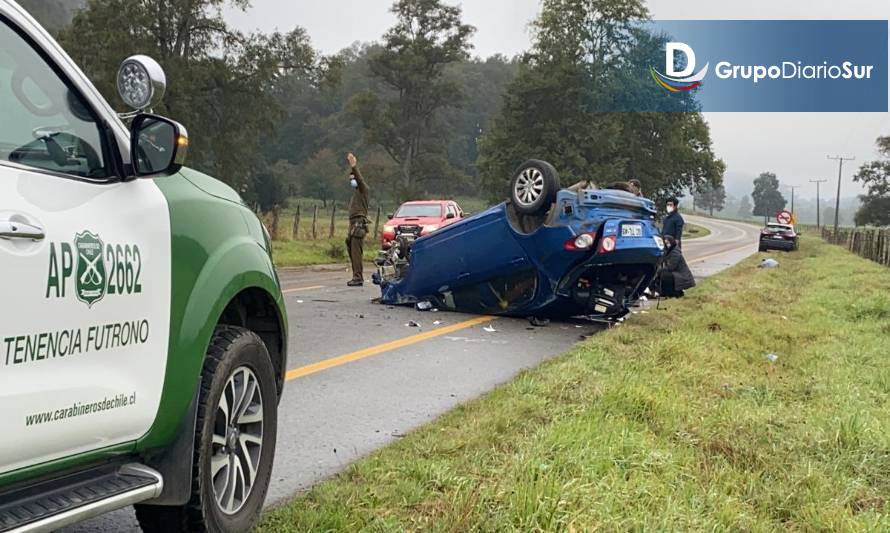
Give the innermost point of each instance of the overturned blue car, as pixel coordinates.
(546, 252)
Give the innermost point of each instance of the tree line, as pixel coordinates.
(272, 116)
(872, 209)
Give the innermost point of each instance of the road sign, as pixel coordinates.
(784, 217)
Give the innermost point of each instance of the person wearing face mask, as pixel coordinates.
(358, 221)
(673, 222)
(675, 274)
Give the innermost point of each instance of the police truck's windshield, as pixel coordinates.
(44, 124)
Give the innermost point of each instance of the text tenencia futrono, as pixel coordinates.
(788, 70)
(21, 349)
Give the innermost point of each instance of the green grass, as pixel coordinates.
(674, 421)
(692, 231)
(320, 252)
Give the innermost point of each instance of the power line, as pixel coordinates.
(840, 173)
(818, 208)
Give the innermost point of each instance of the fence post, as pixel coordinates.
(296, 231)
(333, 215)
(315, 223)
(377, 224)
(276, 214)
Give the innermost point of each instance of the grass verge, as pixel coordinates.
(692, 231)
(320, 252)
(674, 421)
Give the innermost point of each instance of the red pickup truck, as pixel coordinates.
(420, 218)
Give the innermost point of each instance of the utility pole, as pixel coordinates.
(840, 173)
(793, 187)
(818, 208)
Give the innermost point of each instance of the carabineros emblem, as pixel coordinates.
(91, 281)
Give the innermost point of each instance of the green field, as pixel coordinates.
(676, 420)
(320, 252)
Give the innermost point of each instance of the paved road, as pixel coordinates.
(361, 378)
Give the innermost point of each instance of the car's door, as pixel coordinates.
(84, 271)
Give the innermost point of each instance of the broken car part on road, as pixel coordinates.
(546, 252)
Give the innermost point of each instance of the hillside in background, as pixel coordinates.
(53, 14)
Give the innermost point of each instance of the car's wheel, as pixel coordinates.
(234, 440)
(534, 187)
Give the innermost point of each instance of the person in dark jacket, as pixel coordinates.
(358, 221)
(675, 274)
(673, 222)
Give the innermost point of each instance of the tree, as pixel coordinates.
(710, 197)
(745, 207)
(323, 177)
(404, 117)
(222, 81)
(767, 199)
(875, 176)
(573, 99)
(52, 14)
(484, 83)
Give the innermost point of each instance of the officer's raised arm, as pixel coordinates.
(355, 173)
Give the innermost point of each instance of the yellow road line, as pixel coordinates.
(382, 348)
(300, 289)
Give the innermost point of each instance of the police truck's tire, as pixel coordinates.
(533, 187)
(236, 361)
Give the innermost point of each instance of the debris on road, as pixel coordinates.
(424, 306)
(538, 322)
(299, 301)
(769, 263)
(438, 323)
(489, 329)
(412, 324)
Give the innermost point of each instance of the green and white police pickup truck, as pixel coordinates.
(142, 326)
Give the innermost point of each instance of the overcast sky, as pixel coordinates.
(793, 145)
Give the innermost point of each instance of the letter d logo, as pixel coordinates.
(670, 55)
(674, 80)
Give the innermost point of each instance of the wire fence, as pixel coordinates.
(870, 243)
(314, 222)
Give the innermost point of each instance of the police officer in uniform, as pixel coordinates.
(358, 221)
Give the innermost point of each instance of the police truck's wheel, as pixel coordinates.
(234, 440)
(534, 187)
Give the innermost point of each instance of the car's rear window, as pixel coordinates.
(778, 229)
(420, 210)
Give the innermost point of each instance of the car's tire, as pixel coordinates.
(237, 365)
(533, 187)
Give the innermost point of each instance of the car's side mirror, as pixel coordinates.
(449, 215)
(158, 145)
(390, 216)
